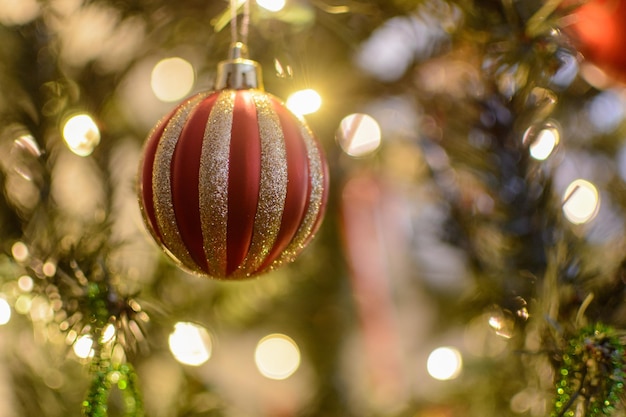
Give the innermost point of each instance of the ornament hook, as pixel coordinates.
(238, 72)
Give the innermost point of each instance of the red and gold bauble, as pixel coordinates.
(599, 32)
(232, 184)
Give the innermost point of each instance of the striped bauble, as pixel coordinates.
(232, 184)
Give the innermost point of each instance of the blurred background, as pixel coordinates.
(471, 262)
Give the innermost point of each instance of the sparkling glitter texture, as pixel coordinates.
(161, 186)
(273, 184)
(214, 182)
(216, 191)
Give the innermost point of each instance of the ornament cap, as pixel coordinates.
(238, 72)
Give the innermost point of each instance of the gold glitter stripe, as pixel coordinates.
(273, 184)
(214, 182)
(162, 187)
(297, 244)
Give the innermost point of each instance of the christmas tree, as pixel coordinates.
(466, 157)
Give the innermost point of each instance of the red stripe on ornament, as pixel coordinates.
(244, 176)
(186, 177)
(147, 196)
(298, 187)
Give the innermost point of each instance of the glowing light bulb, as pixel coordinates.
(81, 134)
(304, 102)
(108, 333)
(581, 202)
(272, 5)
(190, 344)
(5, 311)
(172, 79)
(83, 347)
(277, 356)
(359, 134)
(444, 363)
(542, 140)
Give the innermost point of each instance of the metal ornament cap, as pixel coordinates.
(238, 72)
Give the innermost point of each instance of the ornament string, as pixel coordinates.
(235, 33)
(245, 22)
(233, 21)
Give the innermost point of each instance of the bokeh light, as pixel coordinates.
(172, 79)
(542, 140)
(581, 202)
(25, 283)
(19, 251)
(272, 5)
(108, 333)
(81, 134)
(18, 12)
(83, 347)
(359, 134)
(41, 310)
(23, 304)
(444, 363)
(5, 311)
(277, 356)
(190, 344)
(304, 102)
(49, 269)
(607, 111)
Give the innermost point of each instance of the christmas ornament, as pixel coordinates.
(232, 184)
(598, 32)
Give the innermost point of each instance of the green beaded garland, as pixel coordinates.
(594, 369)
(95, 404)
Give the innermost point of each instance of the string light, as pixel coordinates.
(108, 333)
(5, 311)
(190, 344)
(277, 356)
(359, 134)
(444, 363)
(304, 102)
(542, 140)
(172, 79)
(581, 202)
(272, 5)
(81, 134)
(83, 347)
